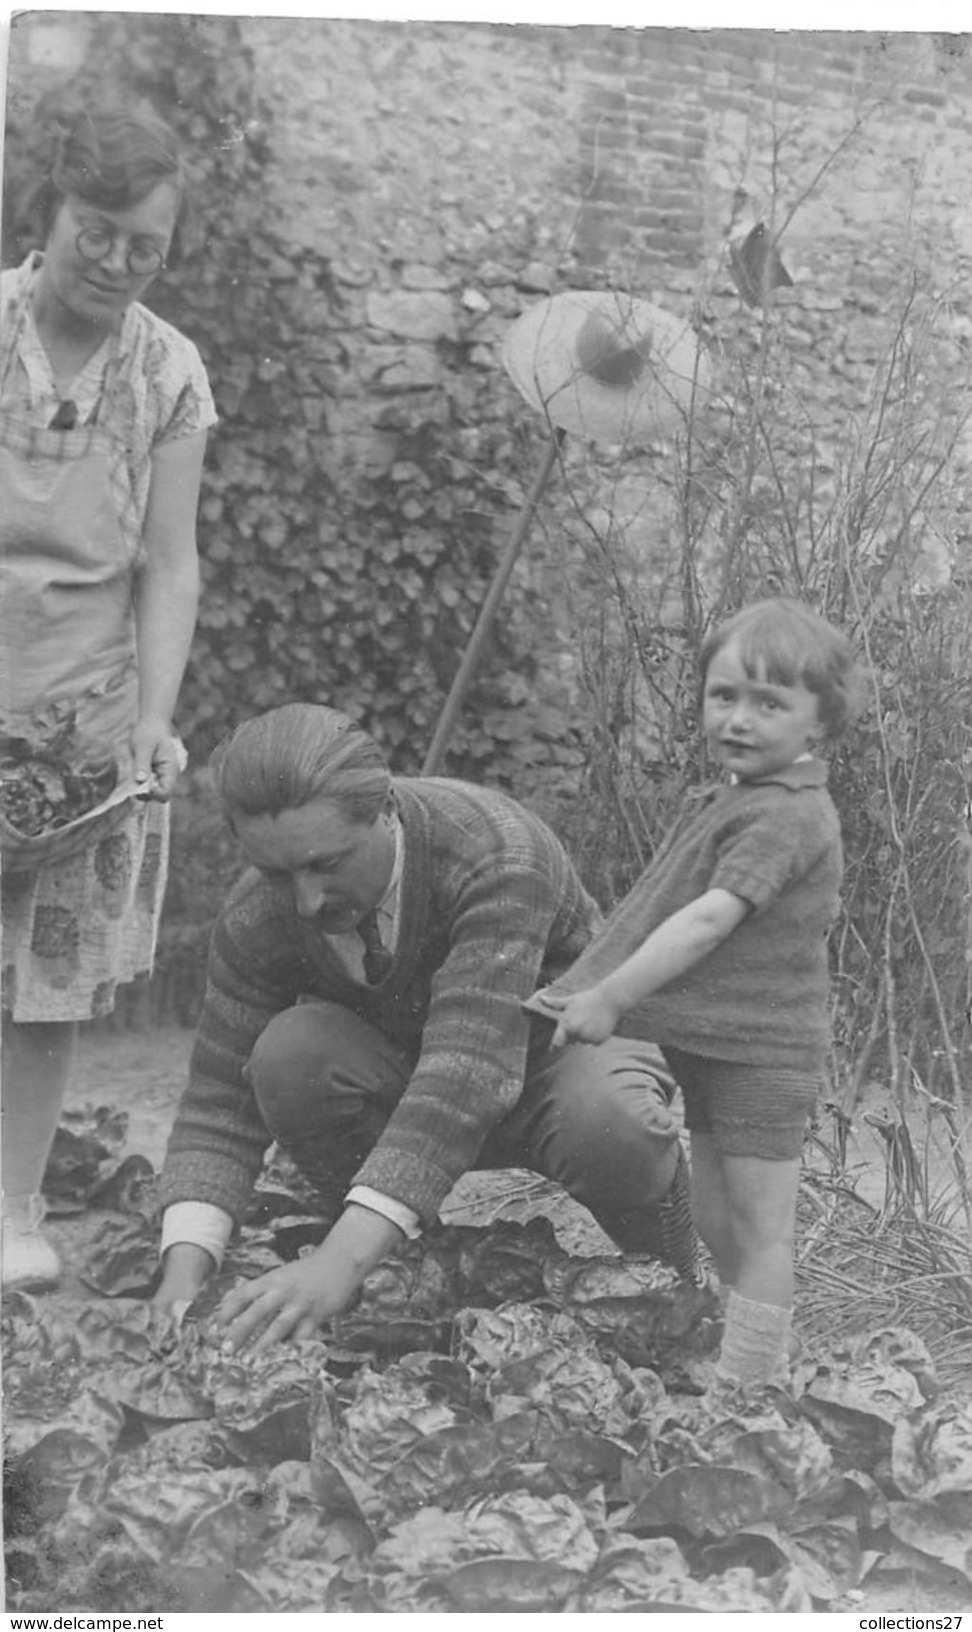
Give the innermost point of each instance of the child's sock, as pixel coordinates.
(754, 1343)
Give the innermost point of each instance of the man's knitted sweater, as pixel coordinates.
(761, 996)
(491, 907)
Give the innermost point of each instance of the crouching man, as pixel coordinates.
(362, 1008)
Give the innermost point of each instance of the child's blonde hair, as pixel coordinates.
(787, 643)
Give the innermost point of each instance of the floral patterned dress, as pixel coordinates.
(70, 546)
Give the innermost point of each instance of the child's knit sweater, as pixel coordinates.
(761, 997)
(490, 909)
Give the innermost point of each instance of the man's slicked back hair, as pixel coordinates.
(297, 755)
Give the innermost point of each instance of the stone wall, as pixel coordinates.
(440, 186)
(460, 171)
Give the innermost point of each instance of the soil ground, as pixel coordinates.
(139, 1072)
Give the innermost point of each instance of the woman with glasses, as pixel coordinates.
(104, 411)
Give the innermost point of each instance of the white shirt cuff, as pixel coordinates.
(200, 1223)
(361, 1195)
(206, 1226)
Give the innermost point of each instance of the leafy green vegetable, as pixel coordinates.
(47, 782)
(549, 1445)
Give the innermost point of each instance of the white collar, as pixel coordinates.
(387, 906)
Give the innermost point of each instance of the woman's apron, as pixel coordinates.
(67, 645)
(67, 626)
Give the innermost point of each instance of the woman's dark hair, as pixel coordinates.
(791, 644)
(112, 154)
(300, 754)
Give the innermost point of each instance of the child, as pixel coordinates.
(721, 949)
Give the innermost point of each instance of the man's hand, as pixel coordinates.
(185, 1270)
(296, 1300)
(585, 1017)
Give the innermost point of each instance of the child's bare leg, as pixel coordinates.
(710, 1205)
(762, 1209)
(762, 1197)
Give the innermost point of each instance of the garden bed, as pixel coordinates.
(512, 1418)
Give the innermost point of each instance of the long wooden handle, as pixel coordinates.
(477, 639)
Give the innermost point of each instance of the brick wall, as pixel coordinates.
(627, 149)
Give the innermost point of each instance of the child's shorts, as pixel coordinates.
(748, 1110)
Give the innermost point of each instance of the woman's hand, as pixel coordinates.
(296, 1300)
(158, 757)
(584, 1017)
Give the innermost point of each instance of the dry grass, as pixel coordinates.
(861, 1267)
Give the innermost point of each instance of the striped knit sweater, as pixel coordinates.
(491, 908)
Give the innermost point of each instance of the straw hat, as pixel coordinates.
(605, 365)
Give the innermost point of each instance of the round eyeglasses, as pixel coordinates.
(142, 260)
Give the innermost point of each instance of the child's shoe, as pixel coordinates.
(29, 1262)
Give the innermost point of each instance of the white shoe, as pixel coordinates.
(30, 1263)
